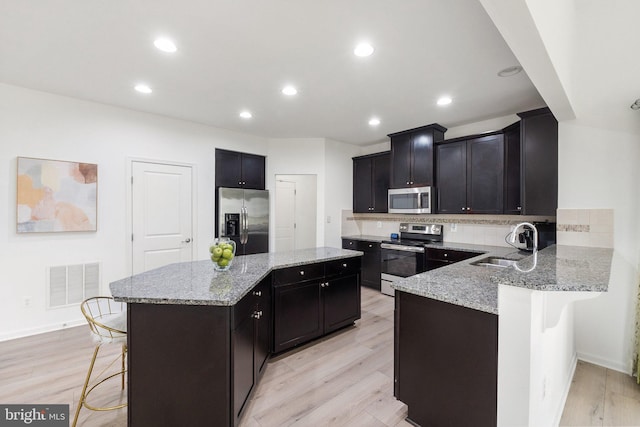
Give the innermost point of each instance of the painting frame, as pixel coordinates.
(55, 196)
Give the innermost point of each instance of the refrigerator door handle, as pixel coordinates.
(245, 227)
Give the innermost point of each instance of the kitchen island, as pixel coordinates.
(198, 340)
(486, 345)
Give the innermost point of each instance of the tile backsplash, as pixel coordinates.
(575, 227)
(585, 227)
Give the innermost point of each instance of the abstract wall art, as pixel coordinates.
(56, 196)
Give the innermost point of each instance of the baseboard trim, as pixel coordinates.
(614, 365)
(41, 330)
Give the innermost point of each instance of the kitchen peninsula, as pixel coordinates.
(198, 339)
(485, 345)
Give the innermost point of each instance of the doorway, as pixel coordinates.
(295, 212)
(161, 215)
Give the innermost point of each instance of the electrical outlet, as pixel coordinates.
(454, 228)
(26, 301)
(544, 387)
(379, 224)
(328, 219)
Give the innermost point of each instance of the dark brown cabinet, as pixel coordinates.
(439, 257)
(239, 170)
(250, 343)
(412, 156)
(470, 175)
(371, 262)
(315, 299)
(512, 202)
(446, 362)
(370, 183)
(539, 174)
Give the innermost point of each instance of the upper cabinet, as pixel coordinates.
(239, 170)
(370, 183)
(512, 199)
(539, 162)
(470, 175)
(412, 156)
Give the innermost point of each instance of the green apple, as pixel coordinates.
(222, 262)
(227, 254)
(217, 251)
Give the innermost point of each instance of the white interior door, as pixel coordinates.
(161, 215)
(285, 215)
(295, 212)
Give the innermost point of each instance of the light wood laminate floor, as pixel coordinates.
(345, 379)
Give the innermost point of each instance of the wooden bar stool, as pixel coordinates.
(108, 323)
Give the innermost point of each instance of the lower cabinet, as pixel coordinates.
(371, 262)
(312, 300)
(250, 343)
(446, 362)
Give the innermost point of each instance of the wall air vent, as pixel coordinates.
(72, 284)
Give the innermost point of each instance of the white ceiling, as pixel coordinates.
(235, 55)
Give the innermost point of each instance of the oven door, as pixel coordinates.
(402, 261)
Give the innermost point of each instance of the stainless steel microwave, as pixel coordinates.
(410, 200)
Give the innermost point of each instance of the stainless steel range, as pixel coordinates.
(405, 256)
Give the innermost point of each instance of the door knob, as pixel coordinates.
(188, 240)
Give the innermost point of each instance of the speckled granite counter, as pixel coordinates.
(197, 283)
(557, 268)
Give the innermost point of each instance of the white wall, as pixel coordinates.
(36, 124)
(599, 169)
(338, 187)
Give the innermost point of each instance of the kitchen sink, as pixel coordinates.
(495, 262)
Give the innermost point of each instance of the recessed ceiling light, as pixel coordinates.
(374, 121)
(165, 45)
(363, 49)
(246, 114)
(143, 88)
(289, 90)
(510, 71)
(444, 100)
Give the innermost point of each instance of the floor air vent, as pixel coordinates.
(72, 284)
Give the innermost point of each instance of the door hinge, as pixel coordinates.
(132, 237)
(294, 225)
(132, 180)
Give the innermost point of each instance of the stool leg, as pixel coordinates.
(84, 387)
(124, 352)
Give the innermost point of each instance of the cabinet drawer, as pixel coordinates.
(449, 255)
(343, 266)
(360, 245)
(299, 273)
(243, 309)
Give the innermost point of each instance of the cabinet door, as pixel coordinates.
(228, 169)
(341, 302)
(262, 294)
(253, 170)
(485, 174)
(371, 264)
(297, 314)
(381, 170)
(539, 133)
(422, 159)
(243, 362)
(401, 160)
(512, 205)
(362, 173)
(451, 169)
(446, 362)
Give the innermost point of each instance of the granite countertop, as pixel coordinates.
(555, 268)
(197, 283)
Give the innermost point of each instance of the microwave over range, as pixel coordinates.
(415, 200)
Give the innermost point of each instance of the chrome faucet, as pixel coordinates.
(514, 233)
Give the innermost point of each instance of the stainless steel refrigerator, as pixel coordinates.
(243, 215)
